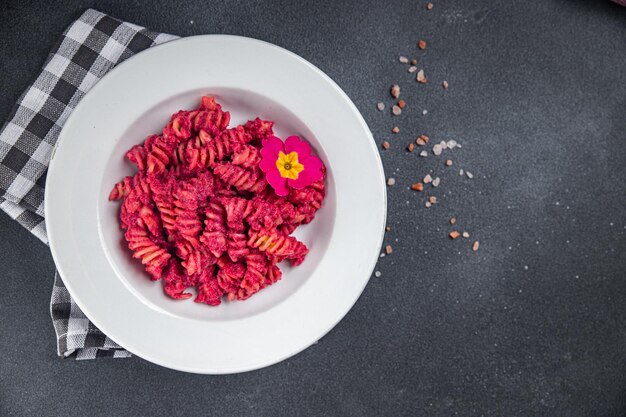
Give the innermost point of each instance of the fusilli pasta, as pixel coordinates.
(199, 211)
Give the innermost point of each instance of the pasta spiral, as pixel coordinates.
(199, 211)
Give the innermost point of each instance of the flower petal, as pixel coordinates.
(300, 146)
(272, 147)
(268, 162)
(278, 183)
(274, 144)
(313, 171)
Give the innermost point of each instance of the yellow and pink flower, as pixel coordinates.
(289, 164)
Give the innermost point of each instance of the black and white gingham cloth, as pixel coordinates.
(88, 49)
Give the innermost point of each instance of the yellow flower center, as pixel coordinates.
(288, 165)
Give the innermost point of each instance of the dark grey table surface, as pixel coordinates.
(533, 324)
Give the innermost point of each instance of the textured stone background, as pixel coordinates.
(533, 324)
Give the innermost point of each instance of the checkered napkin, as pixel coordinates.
(88, 49)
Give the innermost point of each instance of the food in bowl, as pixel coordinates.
(214, 208)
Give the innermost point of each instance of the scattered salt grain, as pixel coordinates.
(424, 154)
(475, 246)
(444, 84)
(412, 69)
(427, 204)
(395, 91)
(424, 112)
(403, 60)
(466, 234)
(418, 186)
(421, 78)
(436, 182)
(388, 249)
(391, 182)
(428, 179)
(443, 144)
(452, 144)
(396, 110)
(377, 274)
(461, 172)
(437, 149)
(380, 106)
(469, 175)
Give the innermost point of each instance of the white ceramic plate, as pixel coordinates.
(249, 78)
